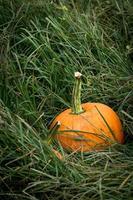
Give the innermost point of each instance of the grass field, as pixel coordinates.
(42, 44)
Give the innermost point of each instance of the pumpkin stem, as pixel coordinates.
(76, 97)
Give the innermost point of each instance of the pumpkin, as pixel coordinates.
(88, 126)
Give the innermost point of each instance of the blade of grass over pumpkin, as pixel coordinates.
(111, 131)
(53, 131)
(99, 130)
(78, 137)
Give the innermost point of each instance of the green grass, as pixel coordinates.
(42, 44)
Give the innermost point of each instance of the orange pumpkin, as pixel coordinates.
(87, 126)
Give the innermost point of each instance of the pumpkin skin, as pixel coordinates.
(94, 129)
